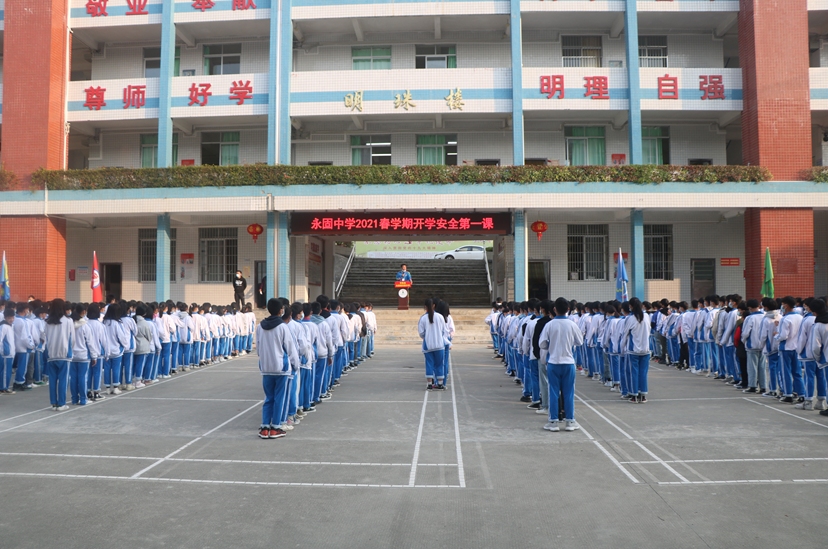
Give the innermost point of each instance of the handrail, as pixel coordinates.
(488, 275)
(345, 272)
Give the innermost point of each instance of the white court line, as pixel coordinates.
(27, 414)
(347, 401)
(673, 399)
(646, 450)
(670, 468)
(461, 472)
(225, 482)
(785, 412)
(809, 480)
(717, 460)
(610, 422)
(413, 474)
(151, 466)
(612, 458)
(730, 481)
(188, 399)
(109, 399)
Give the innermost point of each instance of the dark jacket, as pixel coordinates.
(239, 285)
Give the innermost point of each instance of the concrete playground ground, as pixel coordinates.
(387, 464)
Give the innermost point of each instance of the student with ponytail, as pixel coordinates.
(434, 332)
(60, 335)
(636, 340)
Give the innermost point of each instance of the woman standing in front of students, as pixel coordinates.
(434, 332)
(60, 332)
(637, 343)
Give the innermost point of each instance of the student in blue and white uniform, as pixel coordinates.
(560, 336)
(814, 377)
(443, 309)
(144, 347)
(819, 346)
(491, 321)
(752, 339)
(636, 340)
(59, 335)
(325, 351)
(6, 351)
(787, 336)
(93, 382)
(24, 345)
(434, 332)
(278, 360)
(117, 340)
(85, 352)
(770, 347)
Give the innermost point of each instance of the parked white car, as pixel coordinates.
(471, 252)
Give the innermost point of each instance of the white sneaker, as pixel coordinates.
(139, 384)
(115, 391)
(571, 426)
(129, 387)
(805, 406)
(819, 405)
(63, 408)
(286, 427)
(551, 426)
(613, 388)
(542, 411)
(607, 384)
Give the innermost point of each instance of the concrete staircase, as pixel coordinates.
(462, 283)
(395, 327)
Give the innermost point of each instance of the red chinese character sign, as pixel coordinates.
(551, 85)
(712, 86)
(137, 7)
(95, 98)
(199, 91)
(401, 223)
(240, 91)
(96, 8)
(668, 87)
(597, 87)
(134, 96)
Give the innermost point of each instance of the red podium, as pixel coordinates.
(403, 293)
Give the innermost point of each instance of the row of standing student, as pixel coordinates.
(304, 351)
(122, 345)
(541, 342)
(436, 328)
(772, 348)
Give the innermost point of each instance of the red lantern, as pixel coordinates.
(539, 227)
(255, 230)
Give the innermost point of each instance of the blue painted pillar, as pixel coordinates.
(517, 84)
(636, 272)
(272, 230)
(281, 56)
(283, 258)
(165, 129)
(521, 255)
(631, 37)
(162, 258)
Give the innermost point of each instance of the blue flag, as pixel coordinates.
(5, 292)
(621, 280)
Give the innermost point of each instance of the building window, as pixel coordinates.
(147, 245)
(368, 150)
(587, 247)
(699, 162)
(585, 145)
(436, 57)
(149, 150)
(437, 150)
(222, 59)
(655, 143)
(581, 51)
(220, 148)
(658, 252)
(152, 62)
(375, 58)
(652, 51)
(219, 257)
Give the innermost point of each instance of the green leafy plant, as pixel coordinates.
(261, 175)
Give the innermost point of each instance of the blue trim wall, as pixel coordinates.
(521, 248)
(272, 230)
(285, 65)
(634, 123)
(165, 145)
(273, 103)
(283, 260)
(162, 258)
(637, 253)
(517, 84)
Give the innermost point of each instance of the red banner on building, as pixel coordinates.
(402, 223)
(732, 262)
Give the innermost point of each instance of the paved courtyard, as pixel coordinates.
(386, 464)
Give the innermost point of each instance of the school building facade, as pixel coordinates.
(136, 84)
